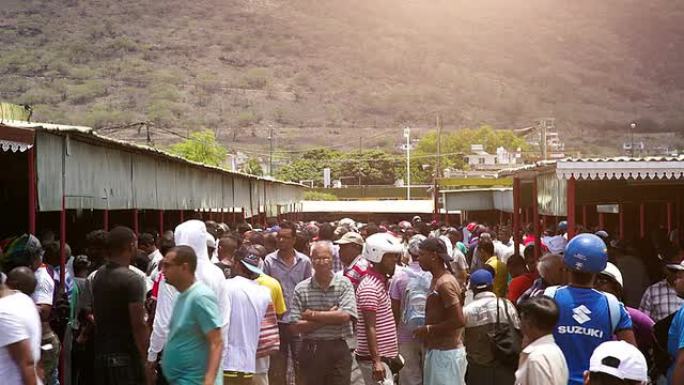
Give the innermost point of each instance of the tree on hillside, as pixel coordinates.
(455, 145)
(253, 167)
(368, 167)
(201, 147)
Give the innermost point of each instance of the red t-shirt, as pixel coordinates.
(519, 285)
(372, 296)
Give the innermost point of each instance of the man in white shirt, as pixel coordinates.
(191, 233)
(20, 337)
(147, 244)
(247, 304)
(541, 361)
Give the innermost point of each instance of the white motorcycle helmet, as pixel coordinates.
(380, 244)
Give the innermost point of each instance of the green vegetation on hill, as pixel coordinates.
(327, 72)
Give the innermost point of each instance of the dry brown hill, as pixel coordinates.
(313, 69)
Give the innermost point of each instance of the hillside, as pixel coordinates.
(327, 72)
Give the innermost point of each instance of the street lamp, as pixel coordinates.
(632, 126)
(407, 135)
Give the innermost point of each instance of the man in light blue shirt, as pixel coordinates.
(193, 352)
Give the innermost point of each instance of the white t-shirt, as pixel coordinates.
(45, 287)
(247, 305)
(19, 320)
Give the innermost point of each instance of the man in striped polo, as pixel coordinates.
(376, 331)
(323, 308)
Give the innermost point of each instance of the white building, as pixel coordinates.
(482, 160)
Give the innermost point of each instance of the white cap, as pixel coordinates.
(613, 272)
(211, 242)
(619, 359)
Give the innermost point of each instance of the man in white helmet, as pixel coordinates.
(376, 331)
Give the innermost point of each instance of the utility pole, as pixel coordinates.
(360, 152)
(270, 151)
(632, 126)
(545, 151)
(435, 186)
(407, 135)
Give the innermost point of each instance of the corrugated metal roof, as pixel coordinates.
(89, 133)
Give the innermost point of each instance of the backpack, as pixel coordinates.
(414, 299)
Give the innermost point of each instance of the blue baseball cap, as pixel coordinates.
(481, 279)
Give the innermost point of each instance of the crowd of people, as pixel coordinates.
(309, 303)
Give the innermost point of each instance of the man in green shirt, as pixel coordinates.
(193, 352)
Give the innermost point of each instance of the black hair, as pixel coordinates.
(146, 239)
(256, 238)
(284, 225)
(371, 228)
(326, 232)
(486, 245)
(600, 378)
(233, 237)
(185, 254)
(52, 252)
(542, 312)
(119, 238)
(166, 244)
(97, 239)
(243, 227)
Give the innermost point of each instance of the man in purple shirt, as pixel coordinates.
(610, 281)
(289, 267)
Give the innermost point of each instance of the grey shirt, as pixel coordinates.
(288, 276)
(309, 295)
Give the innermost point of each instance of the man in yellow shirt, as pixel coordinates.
(495, 266)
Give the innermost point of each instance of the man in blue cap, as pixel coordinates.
(588, 317)
(480, 322)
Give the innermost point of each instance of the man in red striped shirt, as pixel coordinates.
(376, 332)
(355, 266)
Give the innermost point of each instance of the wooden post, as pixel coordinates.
(135, 222)
(602, 221)
(621, 221)
(535, 218)
(642, 220)
(571, 188)
(105, 219)
(516, 214)
(584, 216)
(161, 222)
(669, 217)
(181, 216)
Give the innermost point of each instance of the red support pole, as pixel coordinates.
(181, 216)
(669, 217)
(161, 222)
(62, 268)
(516, 214)
(105, 219)
(535, 218)
(31, 191)
(527, 215)
(223, 215)
(571, 187)
(621, 221)
(642, 220)
(602, 221)
(135, 221)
